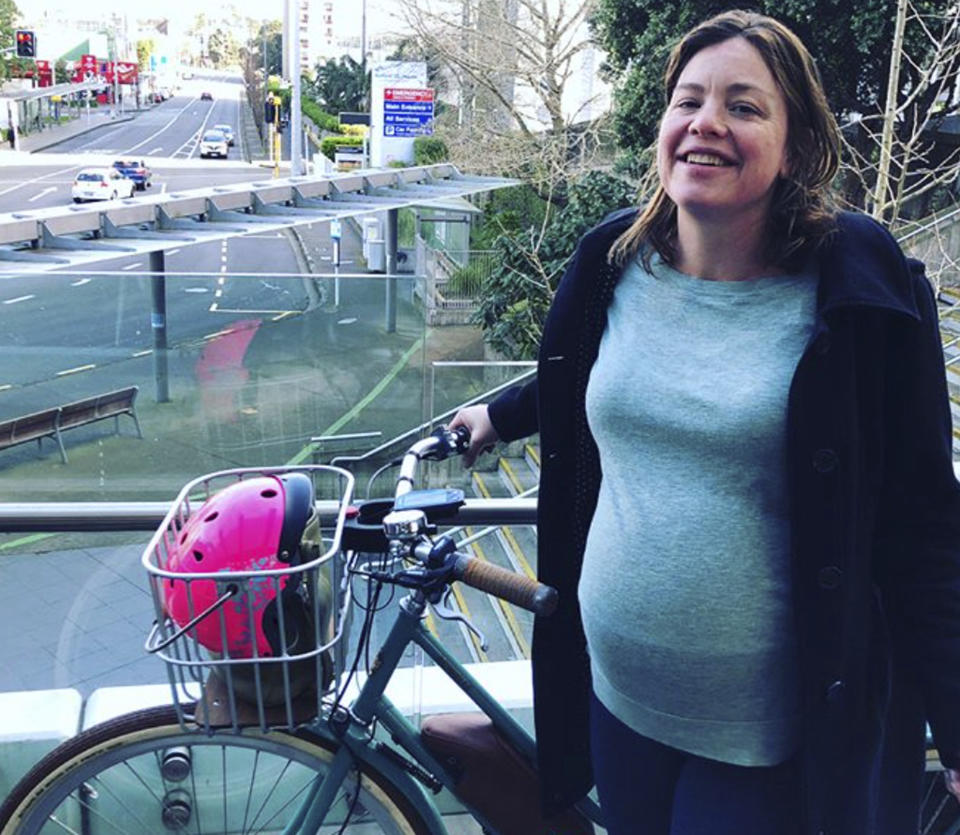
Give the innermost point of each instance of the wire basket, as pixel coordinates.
(260, 642)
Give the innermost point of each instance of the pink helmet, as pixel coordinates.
(253, 525)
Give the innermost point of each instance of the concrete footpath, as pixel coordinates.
(54, 134)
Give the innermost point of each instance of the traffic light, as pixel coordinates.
(26, 43)
(269, 112)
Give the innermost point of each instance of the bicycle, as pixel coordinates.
(286, 759)
(245, 747)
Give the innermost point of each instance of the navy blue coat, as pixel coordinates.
(875, 517)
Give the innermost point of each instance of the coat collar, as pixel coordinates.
(861, 265)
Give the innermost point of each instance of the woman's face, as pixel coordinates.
(723, 138)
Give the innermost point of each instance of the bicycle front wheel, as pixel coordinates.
(142, 773)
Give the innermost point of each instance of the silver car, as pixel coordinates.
(227, 131)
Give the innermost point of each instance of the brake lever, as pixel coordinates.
(447, 612)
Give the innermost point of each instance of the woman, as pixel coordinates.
(747, 499)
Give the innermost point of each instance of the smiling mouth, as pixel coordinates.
(694, 158)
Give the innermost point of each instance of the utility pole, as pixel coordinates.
(890, 114)
(296, 120)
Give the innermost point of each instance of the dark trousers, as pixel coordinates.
(646, 788)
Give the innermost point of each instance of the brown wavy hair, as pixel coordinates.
(801, 212)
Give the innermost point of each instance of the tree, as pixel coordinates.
(891, 152)
(509, 61)
(145, 48)
(9, 15)
(531, 257)
(340, 85)
(850, 40)
(222, 48)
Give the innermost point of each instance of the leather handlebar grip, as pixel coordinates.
(509, 585)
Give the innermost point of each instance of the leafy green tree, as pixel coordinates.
(340, 85)
(530, 257)
(145, 48)
(850, 40)
(9, 15)
(269, 38)
(222, 48)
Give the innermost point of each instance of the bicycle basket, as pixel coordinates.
(249, 593)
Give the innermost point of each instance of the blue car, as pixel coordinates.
(135, 170)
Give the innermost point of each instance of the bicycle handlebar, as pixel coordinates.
(482, 575)
(513, 587)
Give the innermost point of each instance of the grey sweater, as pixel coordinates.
(686, 589)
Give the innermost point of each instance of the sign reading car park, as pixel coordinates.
(407, 112)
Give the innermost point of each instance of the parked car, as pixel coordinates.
(206, 95)
(227, 131)
(135, 170)
(214, 144)
(101, 184)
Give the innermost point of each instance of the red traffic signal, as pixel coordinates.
(26, 43)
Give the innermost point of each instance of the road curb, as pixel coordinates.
(90, 129)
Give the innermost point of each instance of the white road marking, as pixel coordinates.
(20, 299)
(153, 151)
(40, 194)
(132, 266)
(6, 387)
(348, 321)
(196, 289)
(171, 251)
(176, 116)
(80, 282)
(143, 353)
(76, 370)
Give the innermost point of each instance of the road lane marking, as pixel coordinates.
(132, 266)
(6, 387)
(348, 321)
(196, 289)
(152, 151)
(216, 334)
(176, 116)
(143, 353)
(76, 370)
(372, 395)
(20, 299)
(80, 282)
(40, 194)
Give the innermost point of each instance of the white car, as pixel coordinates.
(227, 131)
(214, 144)
(101, 184)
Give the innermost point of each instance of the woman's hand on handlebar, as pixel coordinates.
(482, 434)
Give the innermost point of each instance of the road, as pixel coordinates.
(166, 136)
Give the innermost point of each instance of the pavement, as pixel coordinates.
(98, 117)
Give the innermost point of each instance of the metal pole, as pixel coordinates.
(391, 265)
(296, 120)
(158, 323)
(890, 114)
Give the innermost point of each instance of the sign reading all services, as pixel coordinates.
(407, 112)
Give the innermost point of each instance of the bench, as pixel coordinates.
(51, 422)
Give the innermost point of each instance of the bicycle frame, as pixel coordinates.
(372, 703)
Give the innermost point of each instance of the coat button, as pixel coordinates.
(824, 460)
(835, 692)
(829, 577)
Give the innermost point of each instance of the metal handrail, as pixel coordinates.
(60, 517)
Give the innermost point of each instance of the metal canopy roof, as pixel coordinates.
(67, 237)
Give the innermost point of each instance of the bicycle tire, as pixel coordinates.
(108, 779)
(939, 811)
